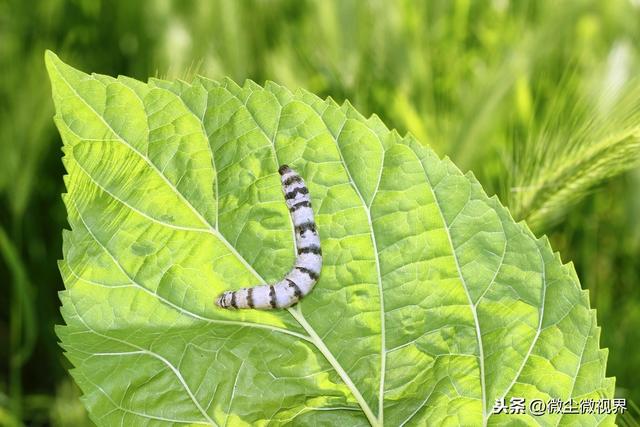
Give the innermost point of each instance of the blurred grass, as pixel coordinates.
(539, 98)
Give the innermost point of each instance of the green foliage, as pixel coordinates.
(579, 146)
(444, 302)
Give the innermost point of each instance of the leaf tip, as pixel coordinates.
(50, 55)
(50, 60)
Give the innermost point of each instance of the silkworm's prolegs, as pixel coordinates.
(303, 276)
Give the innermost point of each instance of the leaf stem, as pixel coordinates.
(317, 341)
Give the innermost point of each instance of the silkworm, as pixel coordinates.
(299, 281)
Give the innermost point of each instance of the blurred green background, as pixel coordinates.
(540, 99)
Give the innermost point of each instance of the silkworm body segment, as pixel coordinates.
(299, 281)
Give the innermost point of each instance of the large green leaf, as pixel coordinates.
(432, 303)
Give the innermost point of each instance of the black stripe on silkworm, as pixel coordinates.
(306, 226)
(233, 300)
(310, 273)
(296, 289)
(310, 250)
(295, 178)
(272, 296)
(292, 194)
(301, 279)
(250, 297)
(302, 204)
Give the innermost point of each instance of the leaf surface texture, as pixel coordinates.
(432, 302)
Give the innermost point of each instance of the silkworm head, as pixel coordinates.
(283, 169)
